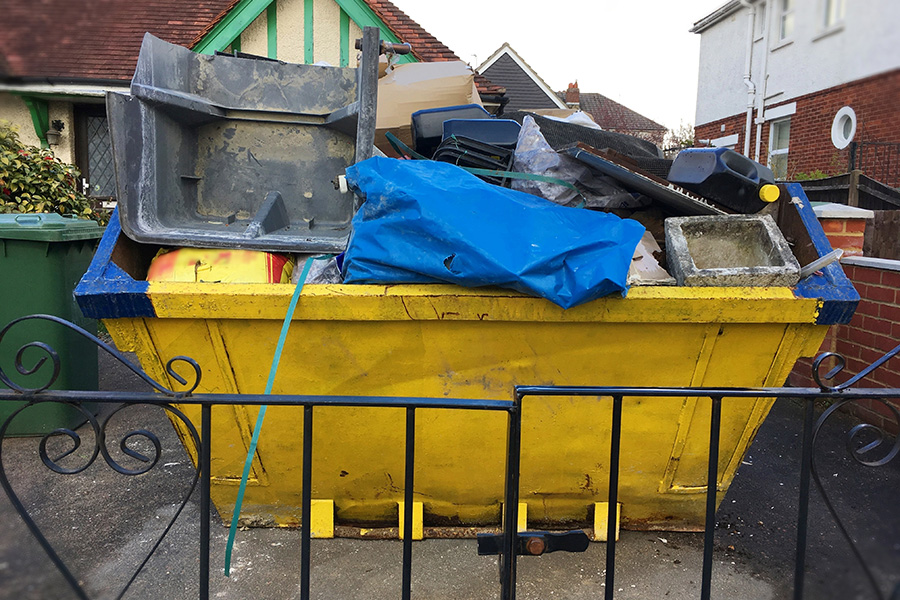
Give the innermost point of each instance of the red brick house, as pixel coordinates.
(789, 83)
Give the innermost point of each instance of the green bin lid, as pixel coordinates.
(47, 227)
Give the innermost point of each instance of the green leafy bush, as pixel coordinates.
(33, 180)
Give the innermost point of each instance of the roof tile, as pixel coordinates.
(613, 116)
(100, 39)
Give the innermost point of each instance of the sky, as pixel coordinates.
(637, 52)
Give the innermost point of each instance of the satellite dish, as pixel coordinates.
(843, 128)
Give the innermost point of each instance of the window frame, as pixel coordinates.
(833, 9)
(828, 10)
(775, 124)
(783, 13)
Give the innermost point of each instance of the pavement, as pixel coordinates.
(103, 524)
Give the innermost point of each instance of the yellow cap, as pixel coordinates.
(769, 193)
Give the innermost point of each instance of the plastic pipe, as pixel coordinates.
(821, 262)
(748, 81)
(771, 9)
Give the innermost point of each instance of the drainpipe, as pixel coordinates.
(748, 63)
(771, 9)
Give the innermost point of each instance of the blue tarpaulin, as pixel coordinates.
(430, 222)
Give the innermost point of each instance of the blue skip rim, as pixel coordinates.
(831, 285)
(106, 291)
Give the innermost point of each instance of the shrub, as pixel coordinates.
(33, 180)
(816, 174)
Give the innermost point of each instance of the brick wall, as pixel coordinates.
(847, 234)
(873, 331)
(810, 148)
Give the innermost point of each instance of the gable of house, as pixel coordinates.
(524, 87)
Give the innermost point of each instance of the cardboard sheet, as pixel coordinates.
(416, 86)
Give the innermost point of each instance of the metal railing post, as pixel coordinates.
(511, 502)
(410, 451)
(803, 510)
(306, 501)
(613, 495)
(205, 477)
(712, 485)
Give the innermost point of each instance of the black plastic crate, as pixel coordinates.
(466, 152)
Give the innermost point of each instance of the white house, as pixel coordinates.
(777, 76)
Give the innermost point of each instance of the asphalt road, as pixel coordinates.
(103, 524)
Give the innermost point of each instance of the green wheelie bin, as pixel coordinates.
(42, 257)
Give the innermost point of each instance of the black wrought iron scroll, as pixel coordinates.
(856, 447)
(33, 396)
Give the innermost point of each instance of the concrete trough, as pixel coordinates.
(729, 251)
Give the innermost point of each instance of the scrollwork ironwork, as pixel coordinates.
(94, 428)
(29, 371)
(55, 360)
(820, 379)
(101, 448)
(857, 448)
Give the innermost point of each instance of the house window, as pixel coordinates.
(786, 19)
(760, 20)
(834, 13)
(93, 151)
(779, 135)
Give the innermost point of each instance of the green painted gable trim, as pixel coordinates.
(364, 16)
(309, 48)
(345, 39)
(231, 26)
(246, 11)
(40, 117)
(272, 29)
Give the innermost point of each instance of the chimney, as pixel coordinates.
(573, 95)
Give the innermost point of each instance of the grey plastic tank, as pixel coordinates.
(221, 151)
(723, 176)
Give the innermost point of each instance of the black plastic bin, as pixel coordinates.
(428, 124)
